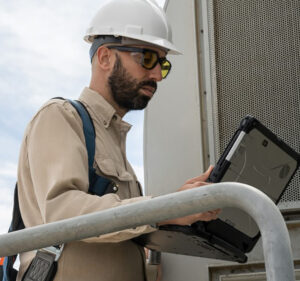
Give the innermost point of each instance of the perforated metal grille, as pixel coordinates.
(257, 56)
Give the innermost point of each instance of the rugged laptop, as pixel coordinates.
(254, 156)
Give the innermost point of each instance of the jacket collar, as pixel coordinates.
(101, 108)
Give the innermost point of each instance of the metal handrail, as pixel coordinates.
(275, 237)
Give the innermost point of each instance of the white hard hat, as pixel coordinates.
(141, 20)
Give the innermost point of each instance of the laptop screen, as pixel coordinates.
(258, 161)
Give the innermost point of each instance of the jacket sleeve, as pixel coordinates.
(58, 165)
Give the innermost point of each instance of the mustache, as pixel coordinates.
(150, 83)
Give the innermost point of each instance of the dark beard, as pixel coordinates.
(125, 89)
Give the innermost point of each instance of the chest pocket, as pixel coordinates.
(111, 168)
(126, 185)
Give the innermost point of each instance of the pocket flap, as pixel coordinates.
(110, 168)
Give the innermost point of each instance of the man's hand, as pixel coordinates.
(206, 216)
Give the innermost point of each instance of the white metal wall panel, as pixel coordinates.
(172, 132)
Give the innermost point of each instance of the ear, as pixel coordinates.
(105, 58)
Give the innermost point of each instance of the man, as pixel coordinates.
(130, 40)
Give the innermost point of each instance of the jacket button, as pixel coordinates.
(115, 188)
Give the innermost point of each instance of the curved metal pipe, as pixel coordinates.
(275, 237)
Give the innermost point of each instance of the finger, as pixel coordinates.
(217, 211)
(207, 217)
(192, 185)
(200, 183)
(202, 177)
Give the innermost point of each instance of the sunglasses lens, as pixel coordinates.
(150, 59)
(165, 68)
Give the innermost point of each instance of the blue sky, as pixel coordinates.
(42, 56)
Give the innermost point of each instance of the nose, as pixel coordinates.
(155, 73)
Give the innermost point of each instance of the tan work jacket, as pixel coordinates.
(53, 185)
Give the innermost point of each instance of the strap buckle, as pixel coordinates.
(54, 250)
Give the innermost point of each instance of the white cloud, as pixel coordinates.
(5, 218)
(8, 170)
(139, 170)
(7, 182)
(135, 137)
(42, 43)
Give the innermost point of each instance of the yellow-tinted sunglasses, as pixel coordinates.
(148, 59)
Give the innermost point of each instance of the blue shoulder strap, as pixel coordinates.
(97, 184)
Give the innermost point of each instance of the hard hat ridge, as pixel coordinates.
(141, 20)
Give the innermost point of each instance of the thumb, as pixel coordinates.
(202, 177)
(207, 172)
